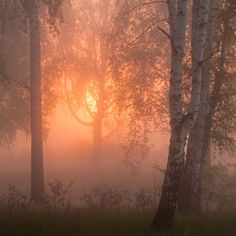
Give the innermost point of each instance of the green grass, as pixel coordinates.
(85, 223)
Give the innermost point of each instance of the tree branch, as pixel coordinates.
(114, 130)
(165, 33)
(21, 84)
(92, 115)
(205, 59)
(137, 6)
(146, 30)
(78, 119)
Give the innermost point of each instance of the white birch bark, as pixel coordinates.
(178, 45)
(165, 214)
(200, 124)
(190, 199)
(198, 49)
(181, 124)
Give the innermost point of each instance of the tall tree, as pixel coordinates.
(88, 86)
(37, 169)
(215, 76)
(139, 71)
(181, 124)
(32, 9)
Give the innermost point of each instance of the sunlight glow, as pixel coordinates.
(91, 102)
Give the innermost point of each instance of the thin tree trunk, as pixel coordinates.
(97, 140)
(102, 72)
(37, 170)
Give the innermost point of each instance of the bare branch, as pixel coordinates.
(21, 84)
(146, 30)
(115, 129)
(168, 36)
(137, 6)
(78, 119)
(165, 33)
(205, 59)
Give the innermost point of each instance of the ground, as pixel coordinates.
(89, 223)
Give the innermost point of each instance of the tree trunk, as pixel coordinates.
(97, 140)
(181, 124)
(190, 190)
(37, 170)
(215, 97)
(185, 191)
(190, 201)
(165, 214)
(102, 73)
(164, 217)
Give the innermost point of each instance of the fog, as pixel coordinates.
(117, 108)
(67, 157)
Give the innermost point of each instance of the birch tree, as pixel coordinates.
(180, 123)
(87, 81)
(139, 71)
(190, 183)
(200, 136)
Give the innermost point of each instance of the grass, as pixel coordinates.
(87, 223)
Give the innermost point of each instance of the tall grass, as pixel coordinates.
(106, 212)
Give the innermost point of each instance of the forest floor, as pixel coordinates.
(85, 223)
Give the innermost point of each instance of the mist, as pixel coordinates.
(67, 151)
(122, 112)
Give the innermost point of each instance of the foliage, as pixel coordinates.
(58, 197)
(223, 77)
(218, 193)
(140, 74)
(14, 84)
(110, 199)
(104, 198)
(17, 217)
(13, 201)
(143, 199)
(14, 96)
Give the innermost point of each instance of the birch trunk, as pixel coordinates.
(181, 124)
(37, 170)
(200, 19)
(190, 197)
(165, 213)
(205, 147)
(214, 100)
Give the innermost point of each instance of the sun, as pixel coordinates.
(91, 102)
